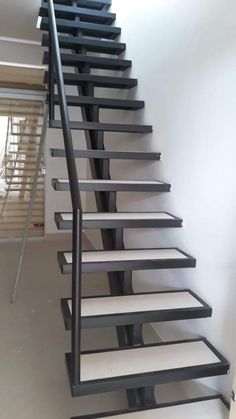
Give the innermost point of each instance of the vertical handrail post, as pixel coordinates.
(51, 81)
(76, 295)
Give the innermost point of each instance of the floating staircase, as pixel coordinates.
(85, 29)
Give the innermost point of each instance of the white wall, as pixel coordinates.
(20, 53)
(184, 55)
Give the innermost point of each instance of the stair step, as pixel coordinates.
(113, 369)
(30, 126)
(94, 62)
(108, 220)
(25, 169)
(113, 185)
(204, 408)
(25, 114)
(98, 81)
(102, 154)
(26, 162)
(94, 45)
(104, 103)
(24, 153)
(23, 134)
(25, 144)
(87, 15)
(131, 259)
(26, 174)
(24, 182)
(92, 4)
(70, 12)
(138, 308)
(104, 126)
(88, 29)
(20, 189)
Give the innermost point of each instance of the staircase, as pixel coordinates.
(74, 31)
(18, 170)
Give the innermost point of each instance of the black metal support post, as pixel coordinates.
(51, 82)
(76, 295)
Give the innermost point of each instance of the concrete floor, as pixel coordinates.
(33, 378)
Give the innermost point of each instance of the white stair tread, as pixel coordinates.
(137, 303)
(121, 216)
(209, 409)
(108, 364)
(126, 255)
(114, 182)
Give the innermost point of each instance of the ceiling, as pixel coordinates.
(18, 19)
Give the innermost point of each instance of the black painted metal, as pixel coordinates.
(120, 223)
(73, 79)
(89, 29)
(140, 316)
(94, 45)
(102, 126)
(88, 15)
(129, 265)
(103, 186)
(103, 103)
(104, 154)
(153, 378)
(51, 78)
(54, 52)
(158, 406)
(72, 60)
(89, 21)
(92, 4)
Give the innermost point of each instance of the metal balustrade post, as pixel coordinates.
(51, 80)
(76, 296)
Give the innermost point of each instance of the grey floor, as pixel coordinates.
(33, 379)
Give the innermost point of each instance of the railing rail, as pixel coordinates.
(55, 71)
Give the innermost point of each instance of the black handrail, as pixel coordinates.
(55, 54)
(55, 63)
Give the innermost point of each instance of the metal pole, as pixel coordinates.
(51, 80)
(30, 209)
(76, 296)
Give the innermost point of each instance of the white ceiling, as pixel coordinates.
(18, 19)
